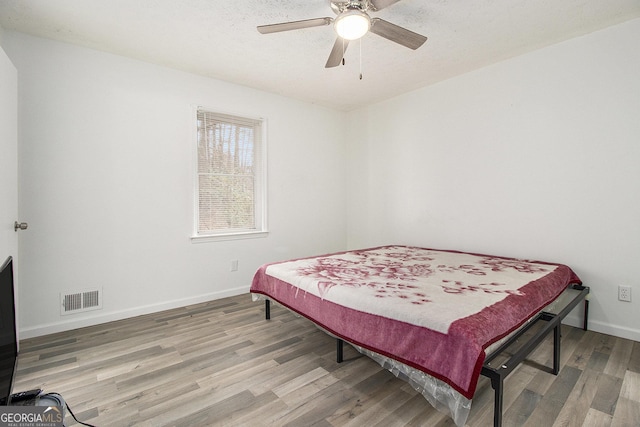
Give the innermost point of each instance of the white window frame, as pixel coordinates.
(260, 201)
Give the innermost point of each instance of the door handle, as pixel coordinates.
(20, 226)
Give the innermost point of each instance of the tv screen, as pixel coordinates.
(8, 337)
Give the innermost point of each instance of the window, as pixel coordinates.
(231, 184)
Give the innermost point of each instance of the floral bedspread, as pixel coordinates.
(431, 309)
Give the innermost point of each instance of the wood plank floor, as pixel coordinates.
(220, 363)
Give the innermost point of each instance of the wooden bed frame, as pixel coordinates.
(553, 317)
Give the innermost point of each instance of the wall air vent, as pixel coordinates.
(80, 301)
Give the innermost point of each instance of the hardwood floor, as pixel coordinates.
(221, 363)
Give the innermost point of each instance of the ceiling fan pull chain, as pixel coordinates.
(360, 59)
(343, 49)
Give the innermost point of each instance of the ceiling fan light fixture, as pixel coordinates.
(352, 24)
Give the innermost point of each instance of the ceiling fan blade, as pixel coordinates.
(294, 25)
(397, 34)
(337, 53)
(381, 4)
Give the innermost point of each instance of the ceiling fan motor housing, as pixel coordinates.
(342, 6)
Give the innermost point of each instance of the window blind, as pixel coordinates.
(229, 179)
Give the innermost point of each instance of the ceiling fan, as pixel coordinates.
(351, 23)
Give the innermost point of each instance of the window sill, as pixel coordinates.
(231, 236)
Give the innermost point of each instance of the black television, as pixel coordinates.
(8, 334)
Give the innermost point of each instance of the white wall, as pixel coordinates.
(106, 178)
(535, 157)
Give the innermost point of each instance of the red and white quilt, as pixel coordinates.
(433, 310)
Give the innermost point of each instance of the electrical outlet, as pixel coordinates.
(234, 265)
(624, 293)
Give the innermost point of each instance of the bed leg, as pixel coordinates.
(267, 309)
(496, 383)
(586, 314)
(339, 349)
(556, 349)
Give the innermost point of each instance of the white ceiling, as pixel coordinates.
(218, 38)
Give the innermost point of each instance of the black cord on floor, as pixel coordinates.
(69, 409)
(74, 417)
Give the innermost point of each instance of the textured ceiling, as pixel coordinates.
(218, 38)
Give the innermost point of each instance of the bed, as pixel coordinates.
(436, 318)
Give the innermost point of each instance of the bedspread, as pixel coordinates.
(433, 310)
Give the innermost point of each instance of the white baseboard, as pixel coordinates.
(615, 330)
(66, 325)
(604, 328)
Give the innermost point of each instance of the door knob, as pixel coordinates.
(20, 226)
